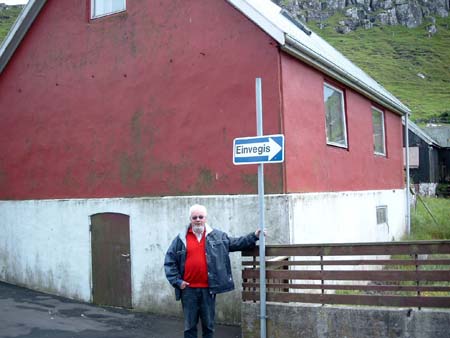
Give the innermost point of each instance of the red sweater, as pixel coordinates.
(195, 269)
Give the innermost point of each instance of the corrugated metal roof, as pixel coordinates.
(420, 133)
(440, 133)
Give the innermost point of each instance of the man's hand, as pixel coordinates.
(258, 232)
(184, 285)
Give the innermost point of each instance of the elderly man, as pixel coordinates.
(198, 266)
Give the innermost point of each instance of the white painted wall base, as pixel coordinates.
(45, 244)
(347, 216)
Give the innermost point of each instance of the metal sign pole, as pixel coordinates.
(262, 244)
(259, 150)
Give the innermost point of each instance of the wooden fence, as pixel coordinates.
(402, 274)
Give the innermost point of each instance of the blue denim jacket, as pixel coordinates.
(218, 246)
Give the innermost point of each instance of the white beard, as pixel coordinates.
(198, 229)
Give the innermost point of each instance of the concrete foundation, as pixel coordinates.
(316, 321)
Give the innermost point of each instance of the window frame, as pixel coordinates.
(383, 130)
(92, 10)
(343, 117)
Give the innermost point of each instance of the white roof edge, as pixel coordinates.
(18, 30)
(259, 19)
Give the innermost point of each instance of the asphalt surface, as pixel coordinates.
(32, 314)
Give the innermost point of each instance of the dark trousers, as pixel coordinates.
(197, 304)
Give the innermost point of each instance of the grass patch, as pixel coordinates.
(430, 219)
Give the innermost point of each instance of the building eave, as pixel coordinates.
(325, 65)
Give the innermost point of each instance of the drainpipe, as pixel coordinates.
(408, 203)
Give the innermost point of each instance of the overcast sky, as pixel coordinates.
(14, 2)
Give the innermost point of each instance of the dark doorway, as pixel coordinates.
(111, 261)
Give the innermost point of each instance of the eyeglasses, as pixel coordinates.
(199, 217)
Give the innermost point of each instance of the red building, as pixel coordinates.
(147, 102)
(132, 107)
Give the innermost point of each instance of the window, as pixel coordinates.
(101, 8)
(382, 214)
(335, 116)
(379, 146)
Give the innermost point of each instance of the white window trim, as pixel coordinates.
(383, 130)
(345, 146)
(105, 14)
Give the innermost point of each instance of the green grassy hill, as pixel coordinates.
(408, 63)
(7, 17)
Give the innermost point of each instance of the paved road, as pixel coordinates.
(29, 314)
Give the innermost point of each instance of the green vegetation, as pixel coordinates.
(430, 219)
(408, 63)
(7, 17)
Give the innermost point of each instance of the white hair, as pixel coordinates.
(197, 207)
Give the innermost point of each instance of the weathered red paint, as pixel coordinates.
(311, 164)
(148, 102)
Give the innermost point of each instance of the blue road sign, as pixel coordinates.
(259, 149)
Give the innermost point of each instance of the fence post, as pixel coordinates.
(416, 256)
(321, 277)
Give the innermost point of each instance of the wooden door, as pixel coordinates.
(111, 260)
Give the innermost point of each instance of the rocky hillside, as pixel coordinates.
(367, 13)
